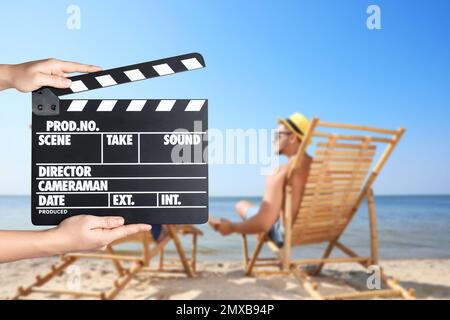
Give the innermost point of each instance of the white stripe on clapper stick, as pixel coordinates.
(107, 105)
(195, 105)
(163, 69)
(192, 64)
(106, 80)
(77, 105)
(136, 105)
(134, 75)
(78, 86)
(165, 105)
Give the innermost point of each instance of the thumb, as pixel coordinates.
(53, 81)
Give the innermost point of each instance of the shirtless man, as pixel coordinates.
(266, 217)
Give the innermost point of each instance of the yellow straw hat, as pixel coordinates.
(296, 123)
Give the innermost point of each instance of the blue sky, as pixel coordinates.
(264, 59)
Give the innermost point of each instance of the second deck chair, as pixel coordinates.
(340, 178)
(150, 249)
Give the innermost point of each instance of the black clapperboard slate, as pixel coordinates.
(115, 157)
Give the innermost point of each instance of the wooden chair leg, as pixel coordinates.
(41, 280)
(121, 282)
(373, 227)
(145, 251)
(326, 254)
(245, 249)
(310, 286)
(116, 263)
(161, 259)
(288, 229)
(180, 250)
(194, 252)
(249, 267)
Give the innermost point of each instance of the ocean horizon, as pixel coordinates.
(409, 227)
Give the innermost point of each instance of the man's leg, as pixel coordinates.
(242, 208)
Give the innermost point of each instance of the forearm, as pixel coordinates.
(5, 76)
(16, 245)
(254, 225)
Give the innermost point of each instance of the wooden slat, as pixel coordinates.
(312, 214)
(316, 231)
(314, 195)
(319, 179)
(91, 294)
(316, 228)
(345, 146)
(332, 184)
(365, 295)
(324, 206)
(331, 200)
(336, 169)
(334, 152)
(329, 260)
(318, 222)
(317, 237)
(312, 227)
(355, 127)
(315, 223)
(310, 240)
(350, 137)
(316, 218)
(333, 187)
(337, 157)
(318, 215)
(326, 192)
(337, 160)
(338, 166)
(299, 242)
(343, 172)
(328, 198)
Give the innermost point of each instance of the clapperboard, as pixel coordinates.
(144, 160)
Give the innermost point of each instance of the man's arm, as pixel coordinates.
(270, 208)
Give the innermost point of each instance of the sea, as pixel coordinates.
(409, 227)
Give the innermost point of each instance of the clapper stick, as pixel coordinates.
(141, 159)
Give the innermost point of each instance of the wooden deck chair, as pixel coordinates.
(139, 263)
(341, 176)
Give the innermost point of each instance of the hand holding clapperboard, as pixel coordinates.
(143, 160)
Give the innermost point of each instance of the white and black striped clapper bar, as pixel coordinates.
(145, 160)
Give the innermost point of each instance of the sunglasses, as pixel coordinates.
(278, 134)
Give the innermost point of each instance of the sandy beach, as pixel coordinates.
(225, 280)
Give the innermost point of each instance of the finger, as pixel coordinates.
(109, 222)
(53, 81)
(124, 231)
(214, 223)
(70, 67)
(61, 74)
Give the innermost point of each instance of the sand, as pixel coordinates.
(224, 280)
